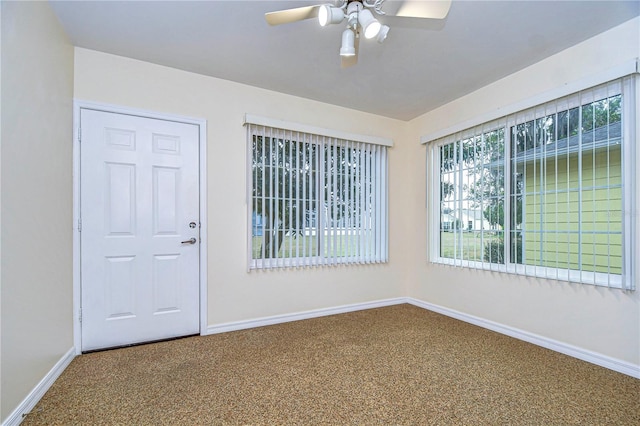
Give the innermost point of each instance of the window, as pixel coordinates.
(544, 188)
(315, 200)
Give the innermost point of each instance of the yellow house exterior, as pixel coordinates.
(556, 233)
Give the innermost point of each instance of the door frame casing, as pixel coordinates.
(79, 105)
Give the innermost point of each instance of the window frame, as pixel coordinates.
(373, 156)
(629, 88)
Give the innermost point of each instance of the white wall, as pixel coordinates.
(593, 318)
(36, 200)
(37, 91)
(233, 293)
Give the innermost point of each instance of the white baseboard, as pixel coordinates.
(614, 364)
(278, 319)
(27, 404)
(624, 367)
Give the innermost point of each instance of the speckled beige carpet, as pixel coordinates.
(393, 365)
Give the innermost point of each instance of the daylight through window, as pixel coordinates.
(315, 200)
(542, 192)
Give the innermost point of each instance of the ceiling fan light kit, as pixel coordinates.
(328, 14)
(382, 35)
(370, 25)
(348, 43)
(360, 19)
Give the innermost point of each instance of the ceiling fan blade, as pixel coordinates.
(292, 15)
(431, 9)
(349, 61)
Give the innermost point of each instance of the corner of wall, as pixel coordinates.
(36, 250)
(596, 320)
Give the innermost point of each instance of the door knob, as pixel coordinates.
(191, 240)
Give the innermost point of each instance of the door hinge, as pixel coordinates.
(79, 225)
(79, 134)
(80, 315)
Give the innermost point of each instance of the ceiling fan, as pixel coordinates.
(359, 18)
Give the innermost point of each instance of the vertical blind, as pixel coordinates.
(314, 200)
(544, 192)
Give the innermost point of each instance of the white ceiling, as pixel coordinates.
(423, 63)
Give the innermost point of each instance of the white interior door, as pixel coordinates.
(139, 208)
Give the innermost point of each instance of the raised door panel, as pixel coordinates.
(139, 192)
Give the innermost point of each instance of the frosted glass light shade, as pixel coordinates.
(348, 43)
(328, 14)
(370, 25)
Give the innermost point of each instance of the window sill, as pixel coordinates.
(568, 275)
